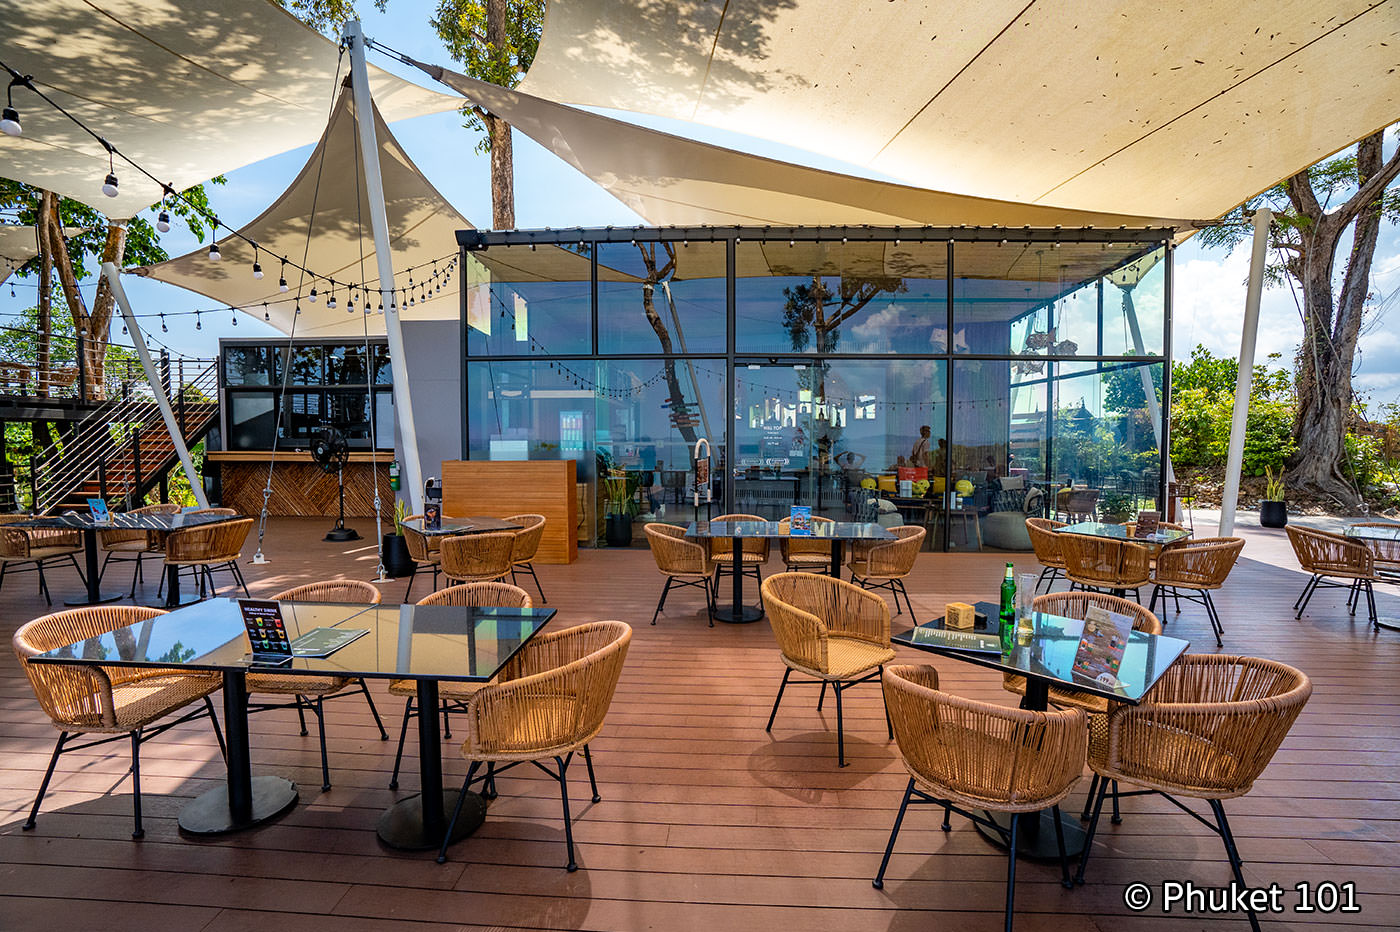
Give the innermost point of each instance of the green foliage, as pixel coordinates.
(1268, 436)
(1273, 486)
(1203, 398)
(327, 17)
(461, 25)
(1366, 463)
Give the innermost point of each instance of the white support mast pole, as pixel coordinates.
(1230, 494)
(384, 258)
(109, 271)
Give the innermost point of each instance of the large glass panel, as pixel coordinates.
(813, 433)
(661, 297)
(1105, 432)
(998, 449)
(1134, 298)
(833, 297)
(306, 365)
(301, 418)
(383, 369)
(246, 365)
(636, 418)
(529, 302)
(345, 365)
(251, 419)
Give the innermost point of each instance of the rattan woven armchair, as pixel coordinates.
(451, 692)
(423, 550)
(207, 548)
(968, 756)
(685, 563)
(1329, 557)
(754, 551)
(1206, 731)
(309, 693)
(1105, 563)
(123, 544)
(884, 564)
(1198, 566)
(813, 556)
(1385, 552)
(548, 702)
(119, 702)
(527, 544)
(39, 547)
(830, 630)
(468, 558)
(1077, 504)
(1046, 544)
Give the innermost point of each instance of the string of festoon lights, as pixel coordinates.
(406, 295)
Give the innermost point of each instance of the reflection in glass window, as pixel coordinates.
(345, 365)
(1105, 434)
(518, 304)
(250, 420)
(661, 297)
(246, 365)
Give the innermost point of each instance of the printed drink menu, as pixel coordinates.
(1101, 645)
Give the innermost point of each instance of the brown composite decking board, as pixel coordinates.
(706, 821)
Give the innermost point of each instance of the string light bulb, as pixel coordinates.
(282, 278)
(9, 122)
(312, 297)
(214, 254)
(163, 221)
(266, 316)
(109, 185)
(163, 327)
(197, 324)
(257, 269)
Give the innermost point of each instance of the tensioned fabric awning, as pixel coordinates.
(672, 180)
(1169, 110)
(17, 246)
(189, 89)
(322, 222)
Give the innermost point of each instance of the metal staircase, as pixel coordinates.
(122, 450)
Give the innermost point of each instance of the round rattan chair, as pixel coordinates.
(207, 548)
(801, 554)
(1385, 553)
(1327, 557)
(309, 693)
(451, 692)
(547, 703)
(423, 550)
(685, 563)
(468, 558)
(884, 564)
(1105, 563)
(753, 553)
(1198, 566)
(1046, 544)
(527, 544)
(830, 630)
(966, 755)
(119, 702)
(122, 544)
(1207, 730)
(40, 547)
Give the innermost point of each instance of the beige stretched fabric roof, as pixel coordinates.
(422, 227)
(1162, 110)
(17, 246)
(671, 180)
(188, 88)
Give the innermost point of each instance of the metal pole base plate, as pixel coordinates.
(744, 616)
(209, 814)
(342, 534)
(102, 599)
(401, 826)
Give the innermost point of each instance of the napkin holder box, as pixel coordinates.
(960, 615)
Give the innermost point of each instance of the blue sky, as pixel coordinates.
(1209, 284)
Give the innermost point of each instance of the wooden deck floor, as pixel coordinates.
(706, 821)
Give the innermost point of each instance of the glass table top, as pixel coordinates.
(472, 524)
(1375, 532)
(1120, 532)
(404, 641)
(821, 530)
(124, 521)
(1048, 654)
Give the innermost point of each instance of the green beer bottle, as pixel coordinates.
(1008, 610)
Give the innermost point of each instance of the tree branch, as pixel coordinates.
(1371, 188)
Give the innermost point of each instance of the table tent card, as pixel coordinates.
(100, 513)
(267, 633)
(1147, 522)
(432, 516)
(1101, 645)
(800, 522)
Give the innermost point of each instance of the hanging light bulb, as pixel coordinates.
(214, 254)
(197, 324)
(312, 297)
(109, 185)
(234, 316)
(330, 302)
(265, 314)
(9, 122)
(9, 125)
(163, 219)
(257, 269)
(163, 327)
(282, 279)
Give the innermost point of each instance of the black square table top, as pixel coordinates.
(472, 524)
(1048, 655)
(83, 521)
(1120, 532)
(441, 642)
(821, 530)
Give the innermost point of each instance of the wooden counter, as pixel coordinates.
(497, 489)
(300, 488)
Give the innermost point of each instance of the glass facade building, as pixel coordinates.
(962, 379)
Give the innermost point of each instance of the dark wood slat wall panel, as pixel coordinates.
(498, 489)
(706, 820)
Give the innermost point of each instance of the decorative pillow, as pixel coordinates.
(1009, 500)
(1034, 501)
(885, 506)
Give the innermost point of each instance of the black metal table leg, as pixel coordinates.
(417, 823)
(1035, 832)
(738, 613)
(837, 555)
(244, 800)
(94, 595)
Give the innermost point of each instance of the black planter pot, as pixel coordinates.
(1273, 514)
(397, 562)
(618, 531)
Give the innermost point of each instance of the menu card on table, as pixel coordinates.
(432, 516)
(800, 521)
(1147, 524)
(267, 633)
(1101, 645)
(100, 514)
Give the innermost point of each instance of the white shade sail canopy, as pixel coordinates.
(189, 89)
(18, 245)
(323, 216)
(672, 180)
(1177, 110)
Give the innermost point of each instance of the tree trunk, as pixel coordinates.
(680, 410)
(502, 164)
(42, 356)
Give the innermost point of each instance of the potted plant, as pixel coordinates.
(619, 488)
(397, 561)
(1273, 510)
(1116, 507)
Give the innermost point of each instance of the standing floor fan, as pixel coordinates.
(330, 451)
